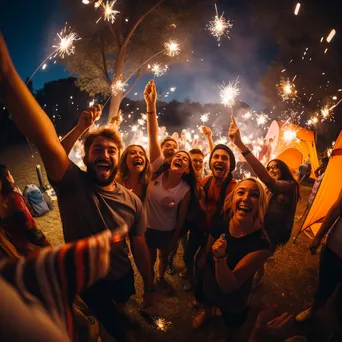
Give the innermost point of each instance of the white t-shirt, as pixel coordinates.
(155, 166)
(161, 205)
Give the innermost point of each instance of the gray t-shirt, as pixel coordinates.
(86, 209)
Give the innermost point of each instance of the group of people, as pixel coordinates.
(152, 202)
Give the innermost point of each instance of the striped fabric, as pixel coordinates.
(53, 277)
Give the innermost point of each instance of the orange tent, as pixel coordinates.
(293, 145)
(328, 191)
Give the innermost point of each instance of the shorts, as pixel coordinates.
(158, 239)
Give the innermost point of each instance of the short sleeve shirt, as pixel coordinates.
(86, 209)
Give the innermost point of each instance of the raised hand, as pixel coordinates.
(206, 131)
(234, 132)
(150, 96)
(89, 116)
(219, 247)
(116, 120)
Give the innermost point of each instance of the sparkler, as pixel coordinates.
(161, 323)
(325, 112)
(172, 48)
(290, 135)
(262, 118)
(109, 13)
(173, 89)
(247, 115)
(228, 93)
(204, 117)
(220, 26)
(331, 35)
(159, 70)
(118, 87)
(296, 11)
(287, 90)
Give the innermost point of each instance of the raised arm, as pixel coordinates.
(209, 136)
(280, 186)
(87, 118)
(150, 95)
(30, 118)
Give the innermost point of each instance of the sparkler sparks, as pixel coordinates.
(158, 69)
(262, 118)
(287, 90)
(228, 93)
(66, 44)
(331, 35)
(296, 11)
(204, 117)
(220, 27)
(109, 13)
(290, 135)
(118, 86)
(172, 48)
(161, 323)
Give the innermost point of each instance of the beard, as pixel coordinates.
(91, 171)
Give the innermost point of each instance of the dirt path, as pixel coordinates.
(289, 282)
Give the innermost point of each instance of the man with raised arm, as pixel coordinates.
(89, 201)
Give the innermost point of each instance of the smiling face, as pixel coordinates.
(274, 170)
(180, 163)
(102, 161)
(136, 159)
(245, 201)
(220, 164)
(169, 149)
(197, 162)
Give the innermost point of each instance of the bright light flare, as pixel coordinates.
(247, 116)
(161, 323)
(228, 93)
(287, 90)
(173, 89)
(261, 119)
(86, 2)
(331, 35)
(44, 66)
(66, 44)
(325, 112)
(296, 11)
(109, 13)
(289, 135)
(158, 69)
(118, 87)
(172, 48)
(220, 27)
(205, 117)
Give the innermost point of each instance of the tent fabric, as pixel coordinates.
(328, 191)
(296, 151)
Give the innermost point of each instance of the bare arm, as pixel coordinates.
(182, 212)
(231, 280)
(209, 136)
(87, 118)
(279, 186)
(150, 95)
(142, 259)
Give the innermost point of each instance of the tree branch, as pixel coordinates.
(139, 20)
(136, 77)
(105, 69)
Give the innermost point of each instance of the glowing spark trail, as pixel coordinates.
(331, 35)
(228, 93)
(287, 90)
(161, 323)
(297, 9)
(117, 87)
(172, 48)
(109, 13)
(219, 27)
(204, 117)
(262, 119)
(289, 135)
(158, 69)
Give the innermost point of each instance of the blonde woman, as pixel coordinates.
(237, 248)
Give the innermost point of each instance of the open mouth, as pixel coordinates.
(177, 163)
(218, 167)
(138, 162)
(244, 209)
(170, 153)
(103, 168)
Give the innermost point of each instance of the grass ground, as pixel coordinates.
(290, 279)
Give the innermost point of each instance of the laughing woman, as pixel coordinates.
(237, 247)
(167, 198)
(134, 170)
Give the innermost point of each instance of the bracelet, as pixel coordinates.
(216, 259)
(245, 153)
(150, 112)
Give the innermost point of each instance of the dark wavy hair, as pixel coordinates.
(286, 173)
(145, 175)
(6, 186)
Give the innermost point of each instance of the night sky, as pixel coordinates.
(29, 33)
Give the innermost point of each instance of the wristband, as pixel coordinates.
(216, 259)
(245, 153)
(150, 112)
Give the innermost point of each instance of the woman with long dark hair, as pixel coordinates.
(134, 170)
(237, 247)
(16, 219)
(282, 192)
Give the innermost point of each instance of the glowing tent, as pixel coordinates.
(293, 145)
(328, 191)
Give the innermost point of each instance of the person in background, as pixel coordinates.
(330, 265)
(321, 169)
(134, 170)
(89, 202)
(305, 170)
(168, 195)
(237, 247)
(18, 224)
(282, 194)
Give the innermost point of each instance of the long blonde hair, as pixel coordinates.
(262, 208)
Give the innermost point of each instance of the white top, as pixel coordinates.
(161, 205)
(334, 240)
(155, 166)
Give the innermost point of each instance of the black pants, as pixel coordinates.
(102, 299)
(330, 276)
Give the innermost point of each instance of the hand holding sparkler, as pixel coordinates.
(234, 134)
(150, 96)
(89, 116)
(219, 247)
(207, 132)
(116, 120)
